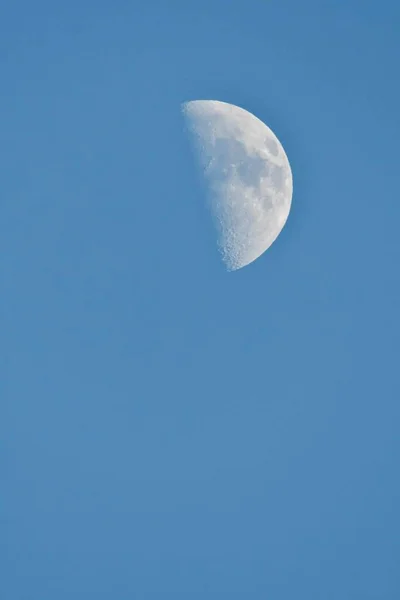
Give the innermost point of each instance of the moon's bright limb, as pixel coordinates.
(249, 177)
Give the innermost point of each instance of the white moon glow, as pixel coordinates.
(249, 177)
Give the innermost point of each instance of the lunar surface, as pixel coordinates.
(248, 175)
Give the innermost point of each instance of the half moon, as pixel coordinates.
(248, 174)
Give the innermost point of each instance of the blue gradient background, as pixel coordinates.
(167, 429)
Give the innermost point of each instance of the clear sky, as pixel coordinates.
(170, 430)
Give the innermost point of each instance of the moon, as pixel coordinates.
(248, 175)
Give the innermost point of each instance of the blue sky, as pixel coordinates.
(168, 429)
